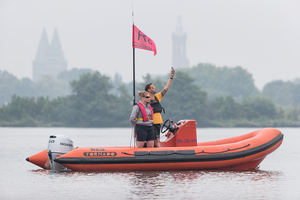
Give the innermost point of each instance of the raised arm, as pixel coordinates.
(167, 86)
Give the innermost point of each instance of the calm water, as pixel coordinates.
(277, 178)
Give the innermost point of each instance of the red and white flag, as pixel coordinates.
(142, 41)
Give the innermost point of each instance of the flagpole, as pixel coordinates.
(133, 59)
(133, 75)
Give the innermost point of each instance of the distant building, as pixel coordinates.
(49, 59)
(179, 59)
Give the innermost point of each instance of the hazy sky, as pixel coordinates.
(262, 36)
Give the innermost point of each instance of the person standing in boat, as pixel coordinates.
(155, 100)
(142, 119)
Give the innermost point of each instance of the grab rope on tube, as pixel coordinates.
(176, 152)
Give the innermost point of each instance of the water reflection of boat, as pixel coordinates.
(180, 151)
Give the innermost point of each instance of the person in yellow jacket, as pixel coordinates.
(155, 100)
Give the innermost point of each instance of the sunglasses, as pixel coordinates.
(147, 97)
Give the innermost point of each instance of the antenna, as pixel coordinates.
(132, 14)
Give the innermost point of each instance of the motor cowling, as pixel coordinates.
(57, 146)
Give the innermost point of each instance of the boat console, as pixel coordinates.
(180, 134)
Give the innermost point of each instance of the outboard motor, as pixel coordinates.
(57, 146)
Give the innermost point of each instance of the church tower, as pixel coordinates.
(49, 59)
(179, 59)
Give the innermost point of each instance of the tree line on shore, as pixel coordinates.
(94, 100)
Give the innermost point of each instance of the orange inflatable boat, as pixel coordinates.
(180, 151)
